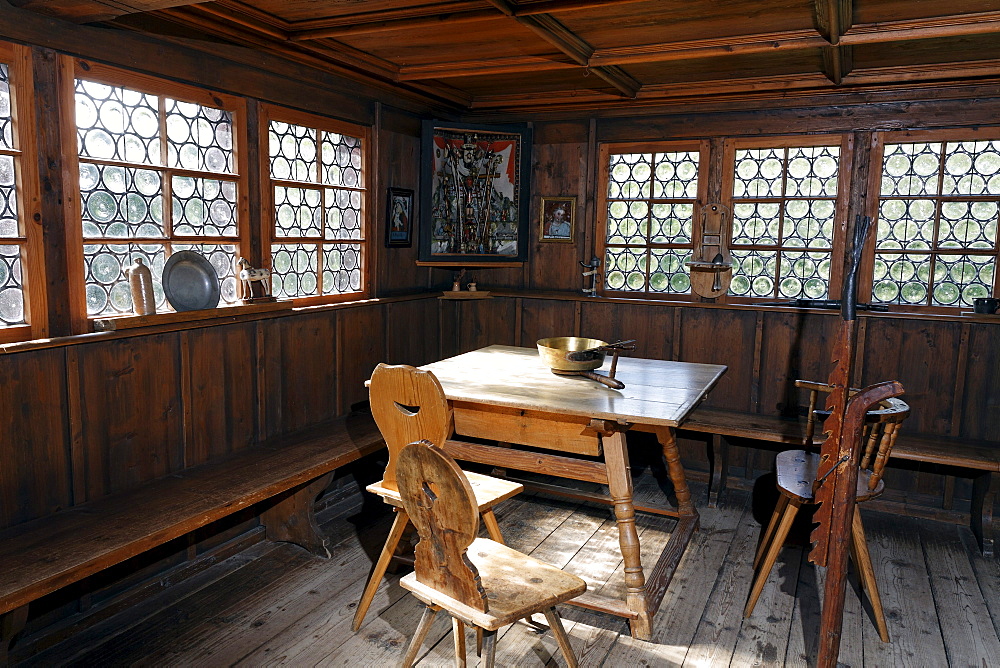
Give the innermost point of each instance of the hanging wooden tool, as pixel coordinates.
(837, 473)
(712, 270)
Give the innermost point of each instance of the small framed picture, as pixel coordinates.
(399, 218)
(557, 219)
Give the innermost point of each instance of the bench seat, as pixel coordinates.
(49, 553)
(981, 458)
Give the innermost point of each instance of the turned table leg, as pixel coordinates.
(293, 518)
(620, 486)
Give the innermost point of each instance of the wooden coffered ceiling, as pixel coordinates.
(522, 56)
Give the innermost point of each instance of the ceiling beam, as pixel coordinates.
(833, 18)
(561, 37)
(89, 11)
(838, 61)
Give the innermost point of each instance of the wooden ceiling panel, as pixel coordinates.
(573, 81)
(499, 38)
(733, 69)
(926, 52)
(877, 11)
(660, 21)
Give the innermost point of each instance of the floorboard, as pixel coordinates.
(277, 605)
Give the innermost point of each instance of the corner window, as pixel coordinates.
(648, 207)
(938, 204)
(316, 184)
(159, 173)
(22, 297)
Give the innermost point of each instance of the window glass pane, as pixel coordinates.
(972, 168)
(8, 198)
(116, 123)
(6, 118)
(297, 211)
(11, 292)
(341, 160)
(342, 268)
(668, 272)
(203, 207)
(753, 273)
(804, 275)
(107, 286)
(675, 175)
(671, 222)
(294, 270)
(200, 138)
(343, 214)
(120, 202)
(628, 176)
(293, 152)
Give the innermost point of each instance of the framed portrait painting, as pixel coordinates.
(557, 219)
(399, 218)
(474, 193)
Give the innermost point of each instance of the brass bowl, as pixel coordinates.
(553, 352)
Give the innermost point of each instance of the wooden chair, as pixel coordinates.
(409, 405)
(796, 476)
(478, 581)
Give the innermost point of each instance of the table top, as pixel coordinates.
(656, 392)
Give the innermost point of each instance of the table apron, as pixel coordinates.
(539, 429)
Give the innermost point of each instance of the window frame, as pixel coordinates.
(874, 201)
(72, 69)
(281, 114)
(841, 203)
(702, 147)
(28, 197)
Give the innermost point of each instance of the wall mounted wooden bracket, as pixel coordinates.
(712, 268)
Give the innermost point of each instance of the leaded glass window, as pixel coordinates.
(783, 205)
(12, 239)
(651, 199)
(317, 177)
(936, 241)
(157, 175)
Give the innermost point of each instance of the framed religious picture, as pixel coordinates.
(474, 193)
(399, 218)
(557, 219)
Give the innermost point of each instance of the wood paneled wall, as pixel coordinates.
(86, 419)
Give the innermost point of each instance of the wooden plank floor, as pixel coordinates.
(276, 604)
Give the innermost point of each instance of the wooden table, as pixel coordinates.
(506, 394)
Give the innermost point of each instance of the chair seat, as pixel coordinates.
(516, 586)
(797, 471)
(489, 490)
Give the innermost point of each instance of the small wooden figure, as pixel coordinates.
(255, 284)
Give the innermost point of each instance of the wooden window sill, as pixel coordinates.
(119, 322)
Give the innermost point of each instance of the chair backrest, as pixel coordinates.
(442, 506)
(880, 432)
(408, 405)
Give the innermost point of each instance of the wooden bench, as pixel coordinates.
(284, 476)
(981, 458)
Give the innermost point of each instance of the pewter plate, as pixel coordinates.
(190, 282)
